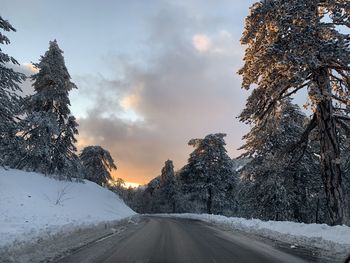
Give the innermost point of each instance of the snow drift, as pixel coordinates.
(32, 205)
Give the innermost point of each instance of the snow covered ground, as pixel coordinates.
(33, 206)
(334, 239)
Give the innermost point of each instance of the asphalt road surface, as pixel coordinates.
(162, 240)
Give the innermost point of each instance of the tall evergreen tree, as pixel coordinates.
(97, 164)
(10, 100)
(276, 184)
(294, 45)
(209, 176)
(168, 187)
(49, 128)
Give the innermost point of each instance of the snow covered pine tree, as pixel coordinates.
(209, 174)
(168, 188)
(298, 44)
(10, 100)
(49, 129)
(97, 164)
(276, 184)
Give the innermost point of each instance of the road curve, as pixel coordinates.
(162, 240)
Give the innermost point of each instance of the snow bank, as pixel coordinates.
(32, 205)
(317, 235)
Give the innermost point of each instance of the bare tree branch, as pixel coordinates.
(304, 139)
(341, 117)
(343, 125)
(340, 99)
(296, 90)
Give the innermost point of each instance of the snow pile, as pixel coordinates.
(33, 206)
(318, 235)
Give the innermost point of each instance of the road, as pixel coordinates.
(162, 240)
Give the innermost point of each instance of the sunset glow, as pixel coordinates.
(142, 85)
(175, 131)
(132, 185)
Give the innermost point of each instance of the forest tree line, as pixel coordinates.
(267, 181)
(299, 165)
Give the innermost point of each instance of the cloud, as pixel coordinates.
(201, 42)
(180, 94)
(28, 70)
(29, 67)
(129, 101)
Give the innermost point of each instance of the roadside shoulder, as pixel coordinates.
(51, 248)
(314, 249)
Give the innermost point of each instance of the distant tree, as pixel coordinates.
(277, 185)
(168, 187)
(209, 176)
(118, 186)
(129, 196)
(10, 105)
(97, 164)
(152, 196)
(119, 182)
(160, 195)
(140, 200)
(295, 45)
(49, 128)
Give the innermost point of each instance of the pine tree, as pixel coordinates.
(49, 128)
(277, 185)
(294, 45)
(38, 131)
(118, 186)
(209, 176)
(9, 97)
(168, 188)
(97, 164)
(119, 183)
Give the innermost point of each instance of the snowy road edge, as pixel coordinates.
(327, 247)
(50, 247)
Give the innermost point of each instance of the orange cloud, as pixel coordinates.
(30, 67)
(201, 42)
(129, 102)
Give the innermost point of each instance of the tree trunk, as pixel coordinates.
(317, 210)
(209, 201)
(174, 206)
(331, 173)
(296, 204)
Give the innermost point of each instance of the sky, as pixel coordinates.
(151, 75)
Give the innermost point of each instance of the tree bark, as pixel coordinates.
(317, 210)
(296, 206)
(174, 206)
(209, 201)
(331, 173)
